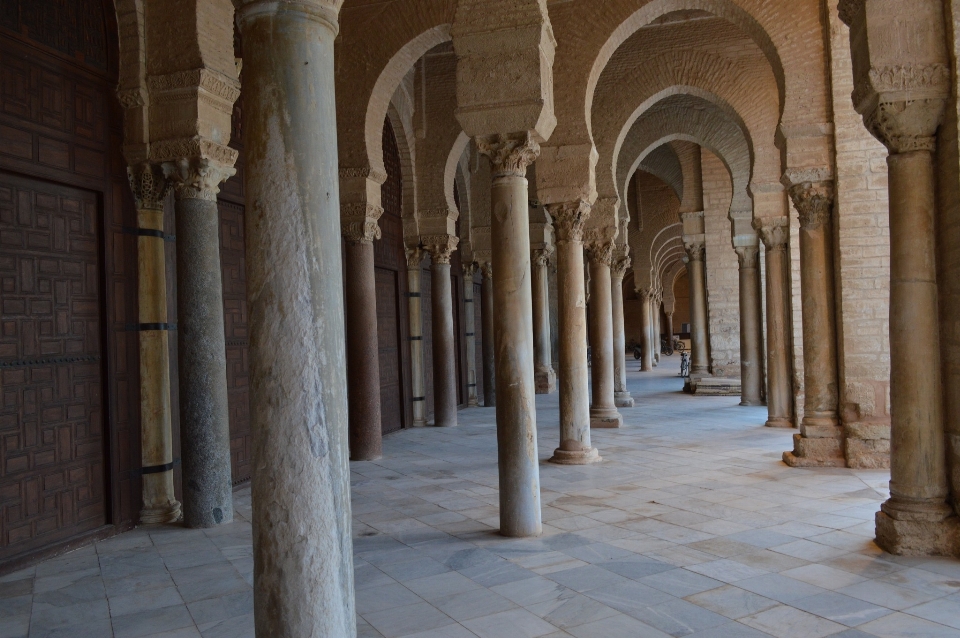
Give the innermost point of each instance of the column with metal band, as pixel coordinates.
(160, 505)
(775, 234)
(445, 378)
(544, 375)
(415, 313)
(486, 324)
(646, 330)
(469, 270)
(621, 264)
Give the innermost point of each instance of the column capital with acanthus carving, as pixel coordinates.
(510, 155)
(646, 294)
(197, 178)
(440, 247)
(774, 232)
(695, 247)
(569, 219)
(149, 184)
(358, 222)
(414, 257)
(486, 269)
(601, 252)
(621, 261)
(469, 270)
(747, 255)
(541, 257)
(814, 203)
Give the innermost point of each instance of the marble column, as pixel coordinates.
(670, 332)
(775, 234)
(160, 505)
(517, 458)
(646, 345)
(363, 347)
(575, 447)
(415, 314)
(700, 357)
(302, 549)
(820, 442)
(470, 322)
(544, 375)
(655, 309)
(751, 325)
(603, 409)
(486, 319)
(445, 378)
(201, 345)
(618, 270)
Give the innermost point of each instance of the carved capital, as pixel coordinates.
(620, 266)
(906, 125)
(541, 257)
(647, 294)
(814, 202)
(149, 184)
(601, 252)
(469, 270)
(414, 257)
(174, 149)
(358, 222)
(568, 220)
(362, 173)
(695, 248)
(440, 247)
(197, 178)
(510, 155)
(774, 232)
(486, 269)
(748, 256)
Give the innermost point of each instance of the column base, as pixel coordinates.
(473, 403)
(605, 418)
(575, 457)
(622, 399)
(752, 402)
(545, 380)
(935, 532)
(419, 424)
(160, 515)
(819, 444)
(779, 422)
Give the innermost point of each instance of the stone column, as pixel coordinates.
(363, 348)
(445, 379)
(160, 505)
(820, 442)
(544, 376)
(751, 325)
(700, 357)
(646, 345)
(415, 313)
(621, 263)
(669, 328)
(517, 458)
(486, 318)
(470, 320)
(603, 409)
(575, 447)
(202, 348)
(302, 550)
(655, 309)
(775, 234)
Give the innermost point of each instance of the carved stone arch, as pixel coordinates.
(664, 163)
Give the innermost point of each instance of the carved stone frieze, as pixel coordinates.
(149, 184)
(774, 232)
(176, 86)
(569, 219)
(197, 178)
(814, 203)
(510, 155)
(440, 247)
(365, 172)
(173, 150)
(358, 222)
(921, 80)
(748, 256)
(438, 213)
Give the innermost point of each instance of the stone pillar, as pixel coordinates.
(156, 457)
(415, 313)
(655, 309)
(470, 321)
(646, 345)
(363, 348)
(751, 325)
(302, 550)
(575, 447)
(775, 234)
(603, 410)
(700, 357)
(544, 376)
(202, 348)
(621, 263)
(517, 457)
(669, 328)
(820, 442)
(486, 318)
(445, 380)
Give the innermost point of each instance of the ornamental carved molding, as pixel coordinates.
(438, 213)
(510, 155)
(414, 257)
(569, 219)
(814, 203)
(173, 150)
(906, 126)
(774, 232)
(363, 173)
(601, 253)
(358, 222)
(621, 264)
(176, 86)
(132, 98)
(696, 248)
(197, 177)
(921, 80)
(149, 184)
(748, 256)
(541, 257)
(440, 247)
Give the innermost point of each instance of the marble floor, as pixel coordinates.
(691, 526)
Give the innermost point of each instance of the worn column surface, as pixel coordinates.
(517, 458)
(444, 341)
(646, 346)
(655, 311)
(700, 357)
(544, 375)
(575, 447)
(603, 410)
(415, 312)
(486, 319)
(820, 441)
(774, 232)
(470, 321)
(621, 263)
(363, 351)
(202, 349)
(160, 504)
(302, 549)
(751, 324)
(669, 328)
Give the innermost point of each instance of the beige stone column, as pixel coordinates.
(751, 325)
(775, 234)
(415, 314)
(160, 505)
(517, 458)
(646, 344)
(700, 345)
(669, 328)
(486, 319)
(544, 375)
(444, 344)
(469, 270)
(621, 263)
(603, 409)
(302, 549)
(655, 310)
(575, 447)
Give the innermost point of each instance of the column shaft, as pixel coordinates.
(670, 332)
(544, 375)
(646, 347)
(603, 411)
(471, 327)
(774, 234)
(363, 352)
(486, 319)
(621, 395)
(751, 324)
(415, 313)
(655, 309)
(700, 357)
(302, 550)
(444, 344)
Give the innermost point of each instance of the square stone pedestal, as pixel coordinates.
(605, 419)
(918, 535)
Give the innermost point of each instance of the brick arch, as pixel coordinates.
(664, 163)
(658, 217)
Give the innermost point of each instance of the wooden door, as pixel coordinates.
(388, 337)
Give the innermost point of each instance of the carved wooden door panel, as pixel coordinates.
(51, 383)
(388, 337)
(232, 267)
